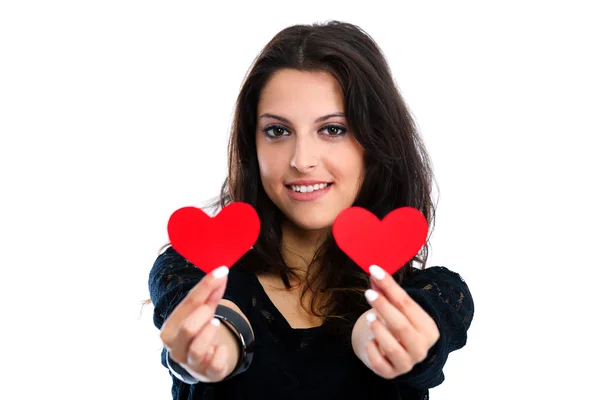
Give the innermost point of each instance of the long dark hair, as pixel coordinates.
(398, 171)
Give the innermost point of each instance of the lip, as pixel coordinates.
(299, 196)
(305, 182)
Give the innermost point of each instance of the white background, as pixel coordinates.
(114, 114)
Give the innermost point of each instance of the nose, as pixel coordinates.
(305, 156)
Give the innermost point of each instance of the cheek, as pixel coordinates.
(349, 170)
(357, 157)
(348, 164)
(270, 165)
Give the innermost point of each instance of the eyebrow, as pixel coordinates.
(320, 119)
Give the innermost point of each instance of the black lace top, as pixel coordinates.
(312, 363)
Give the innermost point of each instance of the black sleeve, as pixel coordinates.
(170, 280)
(172, 277)
(445, 296)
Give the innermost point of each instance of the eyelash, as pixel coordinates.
(270, 127)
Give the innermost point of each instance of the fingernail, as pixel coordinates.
(220, 272)
(371, 337)
(215, 321)
(377, 272)
(371, 295)
(370, 318)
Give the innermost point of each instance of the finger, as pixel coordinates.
(386, 284)
(203, 292)
(188, 330)
(198, 356)
(379, 364)
(199, 372)
(390, 348)
(218, 365)
(210, 354)
(215, 297)
(397, 324)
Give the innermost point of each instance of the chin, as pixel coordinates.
(311, 224)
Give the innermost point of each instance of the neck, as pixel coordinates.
(298, 246)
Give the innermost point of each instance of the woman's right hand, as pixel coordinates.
(194, 338)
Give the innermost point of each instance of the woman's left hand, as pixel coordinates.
(402, 332)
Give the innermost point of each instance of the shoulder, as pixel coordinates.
(240, 284)
(441, 287)
(439, 282)
(436, 274)
(169, 258)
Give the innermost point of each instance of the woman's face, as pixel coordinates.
(311, 166)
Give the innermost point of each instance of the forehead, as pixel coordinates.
(301, 92)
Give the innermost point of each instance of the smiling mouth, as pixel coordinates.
(309, 188)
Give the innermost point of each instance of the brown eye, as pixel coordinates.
(275, 131)
(334, 130)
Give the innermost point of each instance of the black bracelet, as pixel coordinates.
(245, 338)
(180, 373)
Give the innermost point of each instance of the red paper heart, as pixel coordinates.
(389, 243)
(210, 242)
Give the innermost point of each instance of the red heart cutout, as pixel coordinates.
(211, 242)
(389, 243)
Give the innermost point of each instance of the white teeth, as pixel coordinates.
(311, 188)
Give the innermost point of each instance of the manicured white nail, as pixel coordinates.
(220, 272)
(370, 318)
(371, 337)
(371, 295)
(377, 272)
(215, 322)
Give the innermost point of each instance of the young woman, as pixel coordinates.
(319, 126)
